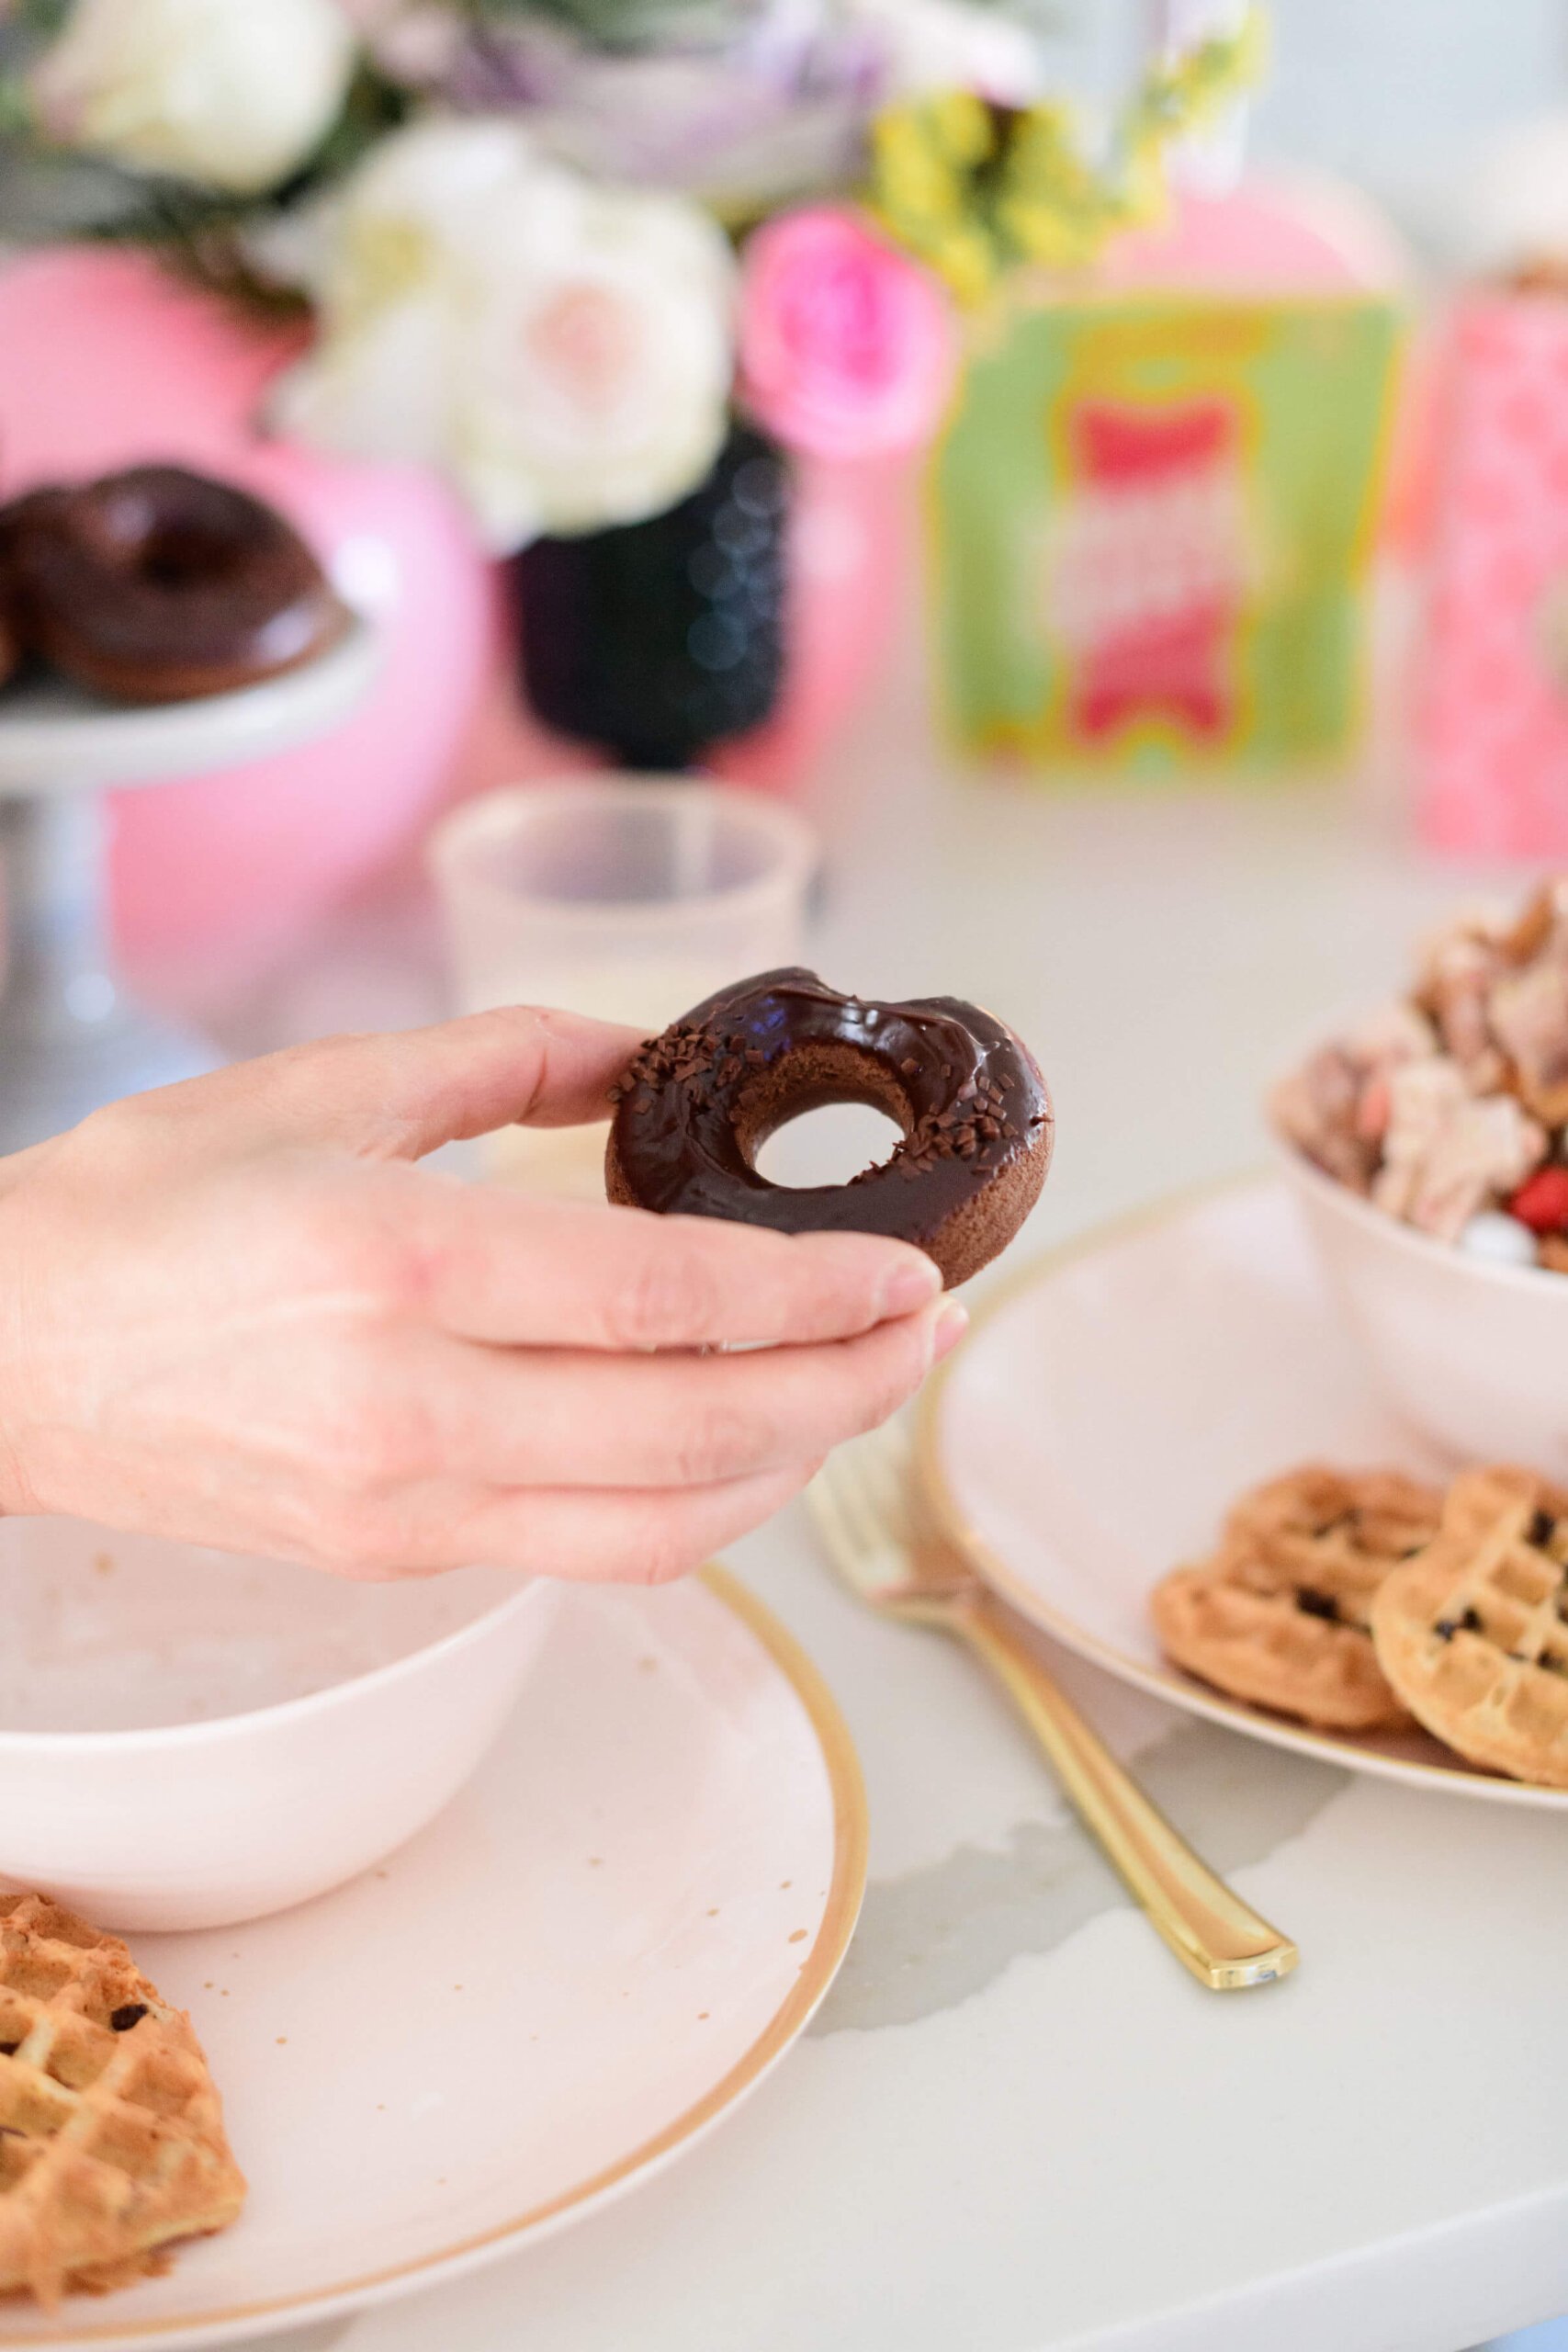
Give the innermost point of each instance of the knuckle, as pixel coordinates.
(721, 1442)
(669, 1299)
(513, 1539)
(662, 1558)
(416, 1273)
(338, 1246)
(117, 1130)
(896, 1374)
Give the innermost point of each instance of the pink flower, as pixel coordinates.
(847, 348)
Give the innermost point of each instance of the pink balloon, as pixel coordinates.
(109, 360)
(107, 355)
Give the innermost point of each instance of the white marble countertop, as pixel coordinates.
(1017, 2126)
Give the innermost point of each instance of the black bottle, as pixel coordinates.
(656, 640)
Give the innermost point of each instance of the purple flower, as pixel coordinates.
(772, 104)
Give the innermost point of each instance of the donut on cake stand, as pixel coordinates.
(70, 1037)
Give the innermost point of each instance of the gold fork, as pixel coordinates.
(887, 1547)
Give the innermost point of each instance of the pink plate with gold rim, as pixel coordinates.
(605, 1943)
(1113, 1401)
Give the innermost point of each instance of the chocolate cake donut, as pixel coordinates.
(159, 585)
(697, 1103)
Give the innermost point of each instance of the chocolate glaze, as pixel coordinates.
(698, 1102)
(157, 585)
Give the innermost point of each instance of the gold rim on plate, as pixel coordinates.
(1193, 1697)
(840, 1910)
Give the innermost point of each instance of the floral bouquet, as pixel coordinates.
(605, 267)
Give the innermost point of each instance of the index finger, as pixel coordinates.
(494, 1265)
(402, 1094)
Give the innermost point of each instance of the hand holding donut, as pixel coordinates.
(238, 1312)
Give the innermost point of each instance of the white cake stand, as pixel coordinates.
(70, 1037)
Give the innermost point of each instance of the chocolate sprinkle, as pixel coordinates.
(129, 2013)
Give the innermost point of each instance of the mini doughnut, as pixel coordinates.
(698, 1102)
(160, 585)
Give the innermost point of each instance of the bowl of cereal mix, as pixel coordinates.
(1427, 1147)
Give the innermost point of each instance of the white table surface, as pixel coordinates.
(1018, 2126)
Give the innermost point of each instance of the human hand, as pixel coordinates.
(238, 1312)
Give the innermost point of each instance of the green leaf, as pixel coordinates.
(625, 24)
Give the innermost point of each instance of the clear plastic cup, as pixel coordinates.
(626, 898)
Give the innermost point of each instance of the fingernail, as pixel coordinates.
(912, 1283)
(951, 1325)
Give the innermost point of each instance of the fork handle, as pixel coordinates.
(1211, 1930)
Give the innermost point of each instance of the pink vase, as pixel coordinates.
(854, 543)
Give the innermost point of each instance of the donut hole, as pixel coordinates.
(171, 533)
(828, 1145)
(820, 1114)
(177, 556)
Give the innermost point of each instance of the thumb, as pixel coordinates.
(401, 1095)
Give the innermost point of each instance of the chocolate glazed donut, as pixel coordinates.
(160, 585)
(698, 1102)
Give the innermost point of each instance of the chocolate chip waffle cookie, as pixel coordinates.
(1473, 1632)
(1279, 1615)
(111, 2131)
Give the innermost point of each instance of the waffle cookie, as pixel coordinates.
(111, 2131)
(1473, 1633)
(1280, 1613)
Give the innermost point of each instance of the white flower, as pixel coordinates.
(562, 350)
(230, 92)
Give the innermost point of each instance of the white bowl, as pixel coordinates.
(1475, 1355)
(189, 1738)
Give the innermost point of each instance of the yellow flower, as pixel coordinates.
(967, 259)
(972, 189)
(962, 127)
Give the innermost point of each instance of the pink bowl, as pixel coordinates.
(1475, 1355)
